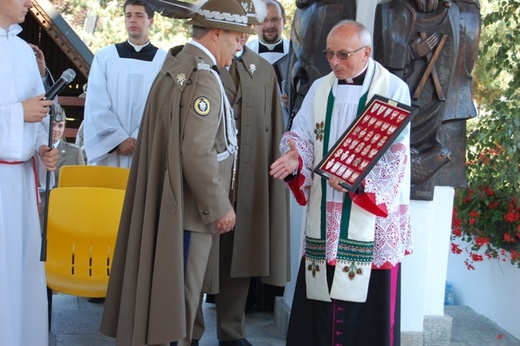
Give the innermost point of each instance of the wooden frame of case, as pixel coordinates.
(365, 141)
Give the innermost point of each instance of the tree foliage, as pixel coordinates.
(497, 91)
(110, 24)
(489, 210)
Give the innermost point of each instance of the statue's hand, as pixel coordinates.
(420, 47)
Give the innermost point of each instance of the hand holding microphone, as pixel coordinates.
(36, 108)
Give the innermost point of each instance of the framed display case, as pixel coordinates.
(365, 141)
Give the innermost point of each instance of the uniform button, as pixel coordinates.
(189, 81)
(205, 212)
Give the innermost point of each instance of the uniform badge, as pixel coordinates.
(180, 78)
(252, 68)
(202, 106)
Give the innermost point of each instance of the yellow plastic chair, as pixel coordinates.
(94, 176)
(81, 235)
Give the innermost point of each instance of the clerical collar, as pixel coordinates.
(138, 47)
(205, 50)
(270, 47)
(357, 79)
(127, 50)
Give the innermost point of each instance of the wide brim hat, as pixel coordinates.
(256, 11)
(221, 14)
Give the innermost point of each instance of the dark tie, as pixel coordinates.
(277, 49)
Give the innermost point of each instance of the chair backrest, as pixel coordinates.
(82, 229)
(93, 176)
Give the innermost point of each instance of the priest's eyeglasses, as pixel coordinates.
(341, 55)
(273, 20)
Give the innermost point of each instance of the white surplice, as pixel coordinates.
(23, 298)
(116, 95)
(272, 57)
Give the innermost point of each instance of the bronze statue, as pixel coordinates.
(312, 22)
(432, 45)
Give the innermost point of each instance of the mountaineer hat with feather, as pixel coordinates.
(256, 11)
(221, 14)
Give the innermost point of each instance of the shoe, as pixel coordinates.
(97, 300)
(194, 342)
(239, 342)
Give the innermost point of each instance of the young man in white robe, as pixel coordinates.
(23, 142)
(118, 84)
(348, 282)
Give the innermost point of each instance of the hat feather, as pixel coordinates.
(172, 8)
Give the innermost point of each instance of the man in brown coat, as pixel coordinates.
(178, 191)
(259, 244)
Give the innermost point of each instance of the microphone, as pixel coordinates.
(66, 77)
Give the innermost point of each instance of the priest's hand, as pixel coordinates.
(127, 147)
(226, 222)
(335, 182)
(49, 157)
(287, 164)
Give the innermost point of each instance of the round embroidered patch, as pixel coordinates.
(202, 106)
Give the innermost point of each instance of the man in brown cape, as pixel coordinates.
(177, 198)
(259, 244)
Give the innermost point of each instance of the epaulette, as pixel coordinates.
(72, 145)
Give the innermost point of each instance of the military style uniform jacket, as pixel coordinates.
(175, 184)
(262, 227)
(70, 155)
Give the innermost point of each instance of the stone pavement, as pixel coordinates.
(75, 322)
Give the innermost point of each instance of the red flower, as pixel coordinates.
(457, 231)
(511, 216)
(469, 265)
(455, 249)
(489, 191)
(493, 205)
(474, 213)
(508, 238)
(480, 241)
(476, 257)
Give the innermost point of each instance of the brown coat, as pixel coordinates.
(175, 184)
(261, 235)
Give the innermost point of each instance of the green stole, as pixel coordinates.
(355, 248)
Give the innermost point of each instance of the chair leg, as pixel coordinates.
(49, 301)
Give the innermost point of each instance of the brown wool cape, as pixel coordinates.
(145, 303)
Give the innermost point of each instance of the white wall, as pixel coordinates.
(492, 290)
(424, 271)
